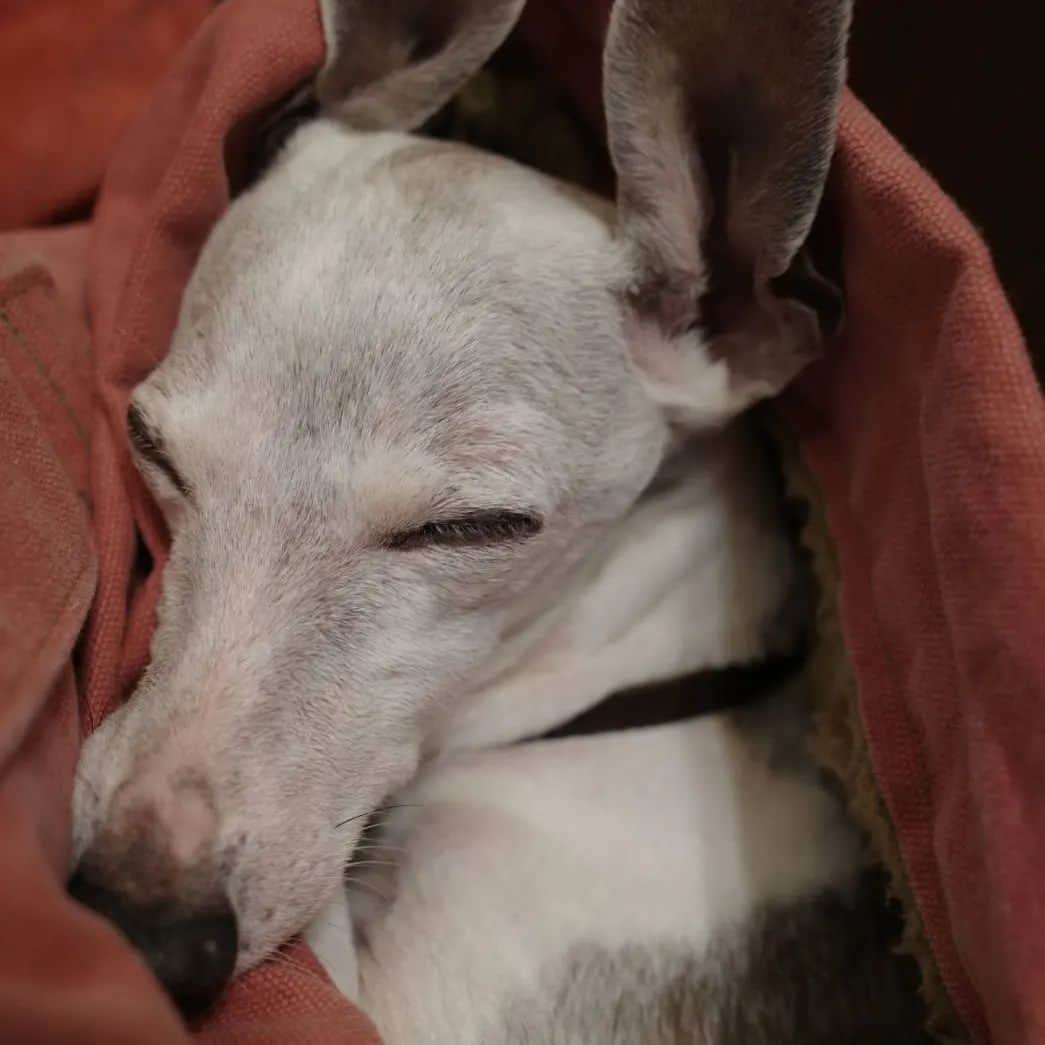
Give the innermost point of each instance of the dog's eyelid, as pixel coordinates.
(150, 448)
(476, 528)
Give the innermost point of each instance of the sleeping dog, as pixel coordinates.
(684, 883)
(449, 451)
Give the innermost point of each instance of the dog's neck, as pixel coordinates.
(695, 576)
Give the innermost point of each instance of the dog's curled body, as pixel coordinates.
(688, 883)
(449, 450)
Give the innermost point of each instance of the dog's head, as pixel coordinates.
(411, 387)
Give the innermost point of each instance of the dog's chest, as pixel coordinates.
(546, 879)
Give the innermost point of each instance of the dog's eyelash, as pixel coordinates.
(469, 530)
(150, 447)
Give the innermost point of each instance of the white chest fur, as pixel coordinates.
(695, 576)
(661, 838)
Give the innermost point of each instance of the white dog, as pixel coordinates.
(684, 883)
(445, 448)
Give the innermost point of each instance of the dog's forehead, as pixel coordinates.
(399, 262)
(382, 293)
(384, 280)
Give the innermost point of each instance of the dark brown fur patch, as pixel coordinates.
(821, 971)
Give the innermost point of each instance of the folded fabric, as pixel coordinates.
(923, 428)
(70, 80)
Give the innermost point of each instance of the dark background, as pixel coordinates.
(960, 83)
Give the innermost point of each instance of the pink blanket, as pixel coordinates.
(924, 428)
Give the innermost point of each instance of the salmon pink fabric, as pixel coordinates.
(72, 74)
(66, 976)
(923, 426)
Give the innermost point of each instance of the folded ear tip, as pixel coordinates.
(674, 308)
(392, 63)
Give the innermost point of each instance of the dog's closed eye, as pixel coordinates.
(470, 529)
(150, 449)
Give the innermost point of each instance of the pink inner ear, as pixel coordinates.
(673, 305)
(679, 310)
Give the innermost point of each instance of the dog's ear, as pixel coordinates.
(721, 117)
(392, 63)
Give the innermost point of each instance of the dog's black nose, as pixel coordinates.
(192, 955)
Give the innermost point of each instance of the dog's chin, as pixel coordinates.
(278, 909)
(264, 944)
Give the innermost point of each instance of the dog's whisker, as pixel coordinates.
(374, 840)
(370, 886)
(373, 863)
(380, 847)
(373, 825)
(377, 852)
(379, 809)
(297, 963)
(291, 963)
(366, 836)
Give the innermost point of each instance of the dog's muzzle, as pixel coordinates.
(191, 953)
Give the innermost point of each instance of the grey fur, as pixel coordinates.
(818, 972)
(382, 333)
